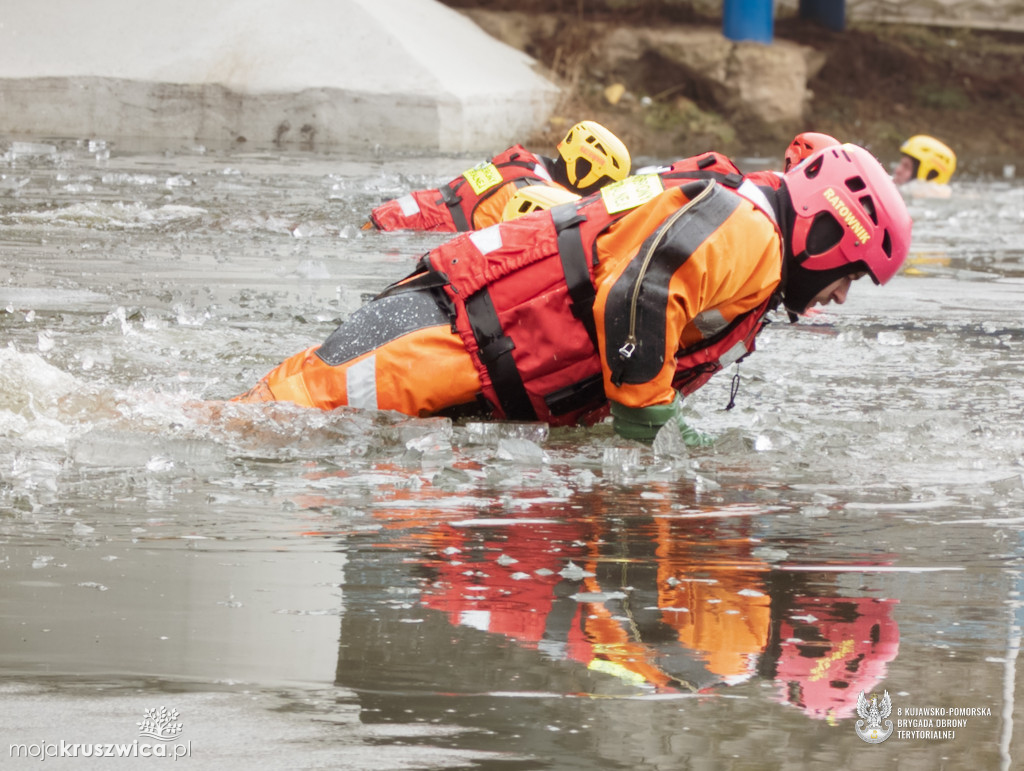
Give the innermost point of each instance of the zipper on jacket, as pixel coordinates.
(629, 347)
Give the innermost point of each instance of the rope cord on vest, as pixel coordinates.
(734, 388)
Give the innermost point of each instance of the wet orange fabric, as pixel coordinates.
(488, 211)
(419, 373)
(735, 270)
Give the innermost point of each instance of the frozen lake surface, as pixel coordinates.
(359, 590)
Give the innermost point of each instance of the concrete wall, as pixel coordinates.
(979, 14)
(350, 73)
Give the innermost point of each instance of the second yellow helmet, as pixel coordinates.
(533, 197)
(935, 161)
(593, 155)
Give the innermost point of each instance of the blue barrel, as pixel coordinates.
(749, 20)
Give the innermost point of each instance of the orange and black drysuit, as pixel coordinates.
(620, 296)
(473, 200)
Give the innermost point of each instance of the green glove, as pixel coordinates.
(643, 423)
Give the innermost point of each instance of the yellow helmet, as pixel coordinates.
(534, 197)
(593, 156)
(935, 161)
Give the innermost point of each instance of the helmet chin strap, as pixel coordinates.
(785, 215)
(559, 172)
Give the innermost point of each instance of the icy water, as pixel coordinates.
(367, 591)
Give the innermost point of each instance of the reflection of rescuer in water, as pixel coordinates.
(589, 157)
(684, 611)
(623, 300)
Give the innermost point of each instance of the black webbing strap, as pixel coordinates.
(453, 201)
(579, 395)
(574, 265)
(496, 355)
(732, 180)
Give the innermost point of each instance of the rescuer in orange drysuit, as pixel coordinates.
(589, 156)
(626, 298)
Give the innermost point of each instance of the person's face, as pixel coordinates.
(836, 291)
(904, 171)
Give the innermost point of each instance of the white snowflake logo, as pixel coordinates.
(160, 723)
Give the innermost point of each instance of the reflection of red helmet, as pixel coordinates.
(831, 650)
(849, 217)
(805, 145)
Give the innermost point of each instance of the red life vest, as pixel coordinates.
(719, 168)
(451, 207)
(521, 296)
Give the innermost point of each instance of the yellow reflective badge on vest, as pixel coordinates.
(631, 192)
(483, 177)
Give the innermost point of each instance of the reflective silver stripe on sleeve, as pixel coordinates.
(753, 193)
(487, 240)
(710, 323)
(361, 384)
(734, 354)
(408, 205)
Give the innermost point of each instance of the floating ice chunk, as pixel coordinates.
(450, 478)
(705, 484)
(492, 433)
(31, 148)
(158, 463)
(573, 572)
(29, 385)
(621, 457)
(12, 183)
(433, 447)
(92, 585)
(814, 511)
(598, 596)
(770, 553)
(889, 337)
(521, 451)
(46, 342)
(584, 479)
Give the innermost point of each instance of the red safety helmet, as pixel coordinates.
(805, 145)
(849, 215)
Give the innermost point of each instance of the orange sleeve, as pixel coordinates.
(488, 211)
